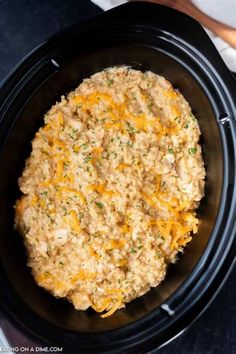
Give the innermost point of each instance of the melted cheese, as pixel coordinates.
(83, 275)
(122, 166)
(68, 190)
(74, 222)
(93, 253)
(100, 188)
(60, 118)
(114, 244)
(117, 305)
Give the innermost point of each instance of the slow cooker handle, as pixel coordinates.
(175, 25)
(168, 20)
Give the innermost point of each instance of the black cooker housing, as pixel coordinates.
(169, 43)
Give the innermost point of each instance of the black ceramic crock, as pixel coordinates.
(146, 37)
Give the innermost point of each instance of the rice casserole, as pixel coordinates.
(111, 188)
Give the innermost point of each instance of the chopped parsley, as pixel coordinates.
(133, 250)
(192, 151)
(114, 153)
(71, 136)
(99, 205)
(158, 254)
(171, 151)
(193, 116)
(87, 159)
(129, 143)
(163, 185)
(110, 82)
(84, 146)
(150, 105)
(186, 126)
(105, 154)
(45, 152)
(130, 128)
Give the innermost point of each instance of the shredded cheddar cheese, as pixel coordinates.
(58, 144)
(172, 94)
(74, 221)
(93, 253)
(114, 244)
(115, 306)
(126, 229)
(34, 200)
(122, 166)
(122, 262)
(82, 275)
(47, 127)
(59, 169)
(60, 118)
(71, 191)
(101, 189)
(98, 150)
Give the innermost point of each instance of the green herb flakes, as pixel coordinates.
(130, 128)
(87, 159)
(129, 143)
(192, 151)
(186, 126)
(193, 116)
(84, 146)
(110, 82)
(99, 205)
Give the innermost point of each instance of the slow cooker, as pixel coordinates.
(146, 37)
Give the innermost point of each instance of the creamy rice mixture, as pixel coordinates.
(110, 189)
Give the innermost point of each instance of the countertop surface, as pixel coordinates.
(25, 24)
